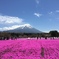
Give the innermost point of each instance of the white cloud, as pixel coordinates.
(10, 19)
(9, 28)
(50, 12)
(57, 10)
(37, 14)
(37, 1)
(15, 26)
(28, 25)
(9, 22)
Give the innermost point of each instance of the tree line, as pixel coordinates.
(7, 35)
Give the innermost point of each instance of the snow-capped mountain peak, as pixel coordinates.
(25, 25)
(26, 28)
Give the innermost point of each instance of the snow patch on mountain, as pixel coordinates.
(15, 26)
(25, 25)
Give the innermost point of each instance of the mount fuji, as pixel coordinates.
(24, 29)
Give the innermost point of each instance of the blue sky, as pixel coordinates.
(40, 14)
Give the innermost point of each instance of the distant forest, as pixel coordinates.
(8, 35)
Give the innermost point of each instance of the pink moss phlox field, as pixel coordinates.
(29, 49)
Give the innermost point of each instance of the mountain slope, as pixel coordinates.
(25, 29)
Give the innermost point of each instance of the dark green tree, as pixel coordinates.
(54, 33)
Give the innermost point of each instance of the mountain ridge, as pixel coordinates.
(24, 29)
